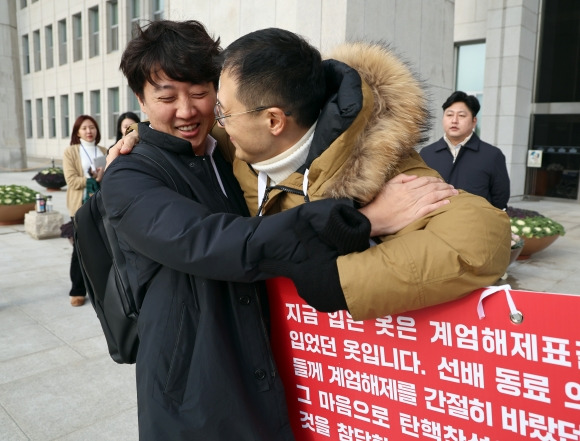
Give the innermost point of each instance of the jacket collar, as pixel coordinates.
(471, 144)
(164, 141)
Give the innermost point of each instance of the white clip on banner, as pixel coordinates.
(515, 315)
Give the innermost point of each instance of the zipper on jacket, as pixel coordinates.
(282, 188)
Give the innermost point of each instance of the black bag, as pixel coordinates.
(104, 271)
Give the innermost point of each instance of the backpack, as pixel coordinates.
(104, 268)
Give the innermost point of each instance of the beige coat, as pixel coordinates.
(74, 175)
(460, 247)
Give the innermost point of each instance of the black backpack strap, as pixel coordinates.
(154, 155)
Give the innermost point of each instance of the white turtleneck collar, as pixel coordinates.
(86, 144)
(283, 165)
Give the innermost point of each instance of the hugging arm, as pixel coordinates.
(439, 258)
(158, 223)
(403, 199)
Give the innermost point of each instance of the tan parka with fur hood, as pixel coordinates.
(366, 134)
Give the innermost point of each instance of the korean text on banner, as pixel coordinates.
(440, 373)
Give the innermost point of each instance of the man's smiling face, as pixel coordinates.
(181, 109)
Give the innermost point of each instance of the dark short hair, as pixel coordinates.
(275, 67)
(123, 116)
(183, 50)
(461, 97)
(74, 137)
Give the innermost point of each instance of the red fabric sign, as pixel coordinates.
(440, 373)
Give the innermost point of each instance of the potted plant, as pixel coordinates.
(15, 202)
(537, 230)
(52, 178)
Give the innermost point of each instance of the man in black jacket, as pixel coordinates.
(204, 367)
(464, 160)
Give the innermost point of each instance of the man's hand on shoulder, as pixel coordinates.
(123, 146)
(403, 200)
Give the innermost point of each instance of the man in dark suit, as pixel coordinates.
(464, 160)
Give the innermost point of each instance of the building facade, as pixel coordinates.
(529, 54)
(63, 57)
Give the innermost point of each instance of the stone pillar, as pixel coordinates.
(12, 147)
(509, 79)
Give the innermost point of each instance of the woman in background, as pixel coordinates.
(82, 172)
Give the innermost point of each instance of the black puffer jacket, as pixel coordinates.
(204, 366)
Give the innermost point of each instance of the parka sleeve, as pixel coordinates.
(458, 248)
(160, 224)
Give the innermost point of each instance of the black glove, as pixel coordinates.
(316, 278)
(316, 282)
(347, 230)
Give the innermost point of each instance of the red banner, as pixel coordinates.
(440, 373)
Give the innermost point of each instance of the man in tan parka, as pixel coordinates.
(371, 119)
(302, 129)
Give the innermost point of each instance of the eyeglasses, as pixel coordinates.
(221, 116)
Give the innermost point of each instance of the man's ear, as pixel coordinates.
(141, 102)
(277, 120)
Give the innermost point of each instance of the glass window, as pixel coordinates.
(64, 116)
(113, 111)
(79, 104)
(113, 26)
(470, 72)
(157, 7)
(28, 116)
(25, 55)
(558, 66)
(49, 46)
(39, 119)
(51, 117)
(134, 15)
(77, 37)
(96, 106)
(93, 31)
(37, 52)
(22, 4)
(558, 137)
(470, 68)
(62, 40)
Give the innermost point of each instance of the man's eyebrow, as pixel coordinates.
(163, 86)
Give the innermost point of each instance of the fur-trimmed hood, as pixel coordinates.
(398, 122)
